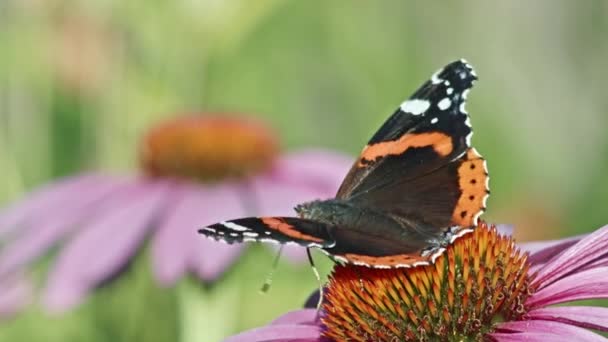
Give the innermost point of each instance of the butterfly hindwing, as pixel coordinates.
(271, 229)
(453, 195)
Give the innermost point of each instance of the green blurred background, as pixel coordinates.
(81, 80)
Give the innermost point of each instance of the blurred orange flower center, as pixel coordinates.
(207, 148)
(481, 279)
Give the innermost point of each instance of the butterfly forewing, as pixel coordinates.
(426, 132)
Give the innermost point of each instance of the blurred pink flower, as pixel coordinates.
(567, 270)
(197, 171)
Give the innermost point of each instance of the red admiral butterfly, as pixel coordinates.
(415, 188)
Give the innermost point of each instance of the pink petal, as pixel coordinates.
(320, 169)
(209, 258)
(589, 317)
(589, 284)
(47, 230)
(586, 250)
(551, 329)
(305, 316)
(15, 294)
(529, 337)
(169, 255)
(41, 201)
(104, 246)
(543, 251)
(288, 332)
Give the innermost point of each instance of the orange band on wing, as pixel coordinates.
(287, 229)
(441, 143)
(472, 177)
(388, 261)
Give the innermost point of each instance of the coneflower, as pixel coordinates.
(483, 288)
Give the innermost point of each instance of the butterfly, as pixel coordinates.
(416, 187)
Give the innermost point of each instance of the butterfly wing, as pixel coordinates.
(419, 166)
(279, 230)
(426, 132)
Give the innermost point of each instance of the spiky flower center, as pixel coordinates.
(207, 148)
(480, 280)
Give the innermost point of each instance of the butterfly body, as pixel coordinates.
(416, 187)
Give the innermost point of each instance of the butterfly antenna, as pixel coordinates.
(316, 272)
(268, 281)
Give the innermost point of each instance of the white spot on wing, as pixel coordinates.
(468, 139)
(465, 93)
(434, 120)
(445, 103)
(234, 226)
(435, 78)
(449, 91)
(462, 109)
(250, 234)
(415, 106)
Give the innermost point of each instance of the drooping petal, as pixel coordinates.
(543, 251)
(591, 317)
(529, 337)
(586, 250)
(44, 200)
(552, 330)
(278, 198)
(589, 284)
(316, 168)
(282, 332)
(209, 258)
(170, 243)
(305, 316)
(15, 294)
(103, 246)
(63, 218)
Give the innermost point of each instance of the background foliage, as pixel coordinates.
(81, 80)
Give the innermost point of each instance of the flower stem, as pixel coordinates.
(207, 314)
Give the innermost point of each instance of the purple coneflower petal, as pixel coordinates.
(586, 250)
(590, 317)
(170, 244)
(103, 246)
(305, 316)
(529, 337)
(208, 258)
(15, 294)
(322, 170)
(589, 284)
(550, 329)
(46, 230)
(275, 333)
(542, 251)
(44, 200)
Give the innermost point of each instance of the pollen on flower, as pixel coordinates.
(481, 279)
(207, 148)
